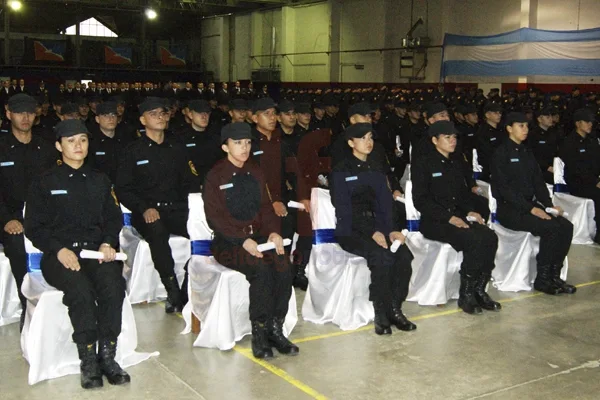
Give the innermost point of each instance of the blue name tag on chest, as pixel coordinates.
(582, 150)
(142, 162)
(226, 186)
(258, 153)
(190, 145)
(514, 160)
(100, 153)
(542, 142)
(492, 139)
(56, 192)
(436, 174)
(351, 178)
(7, 164)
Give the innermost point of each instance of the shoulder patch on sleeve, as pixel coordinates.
(114, 196)
(192, 168)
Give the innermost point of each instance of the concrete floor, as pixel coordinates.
(538, 347)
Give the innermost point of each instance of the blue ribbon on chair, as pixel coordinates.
(561, 188)
(493, 217)
(201, 247)
(33, 262)
(476, 175)
(322, 236)
(413, 225)
(127, 219)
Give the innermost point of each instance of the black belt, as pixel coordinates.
(368, 214)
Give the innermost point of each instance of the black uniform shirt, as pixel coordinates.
(105, 151)
(488, 140)
(517, 179)
(582, 160)
(151, 173)
(544, 145)
(19, 164)
(203, 148)
(439, 188)
(67, 205)
(361, 197)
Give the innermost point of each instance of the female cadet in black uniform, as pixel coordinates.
(519, 187)
(70, 208)
(363, 207)
(239, 211)
(441, 194)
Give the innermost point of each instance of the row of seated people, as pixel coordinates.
(143, 191)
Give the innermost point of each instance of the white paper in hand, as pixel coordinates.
(270, 245)
(98, 255)
(555, 212)
(295, 204)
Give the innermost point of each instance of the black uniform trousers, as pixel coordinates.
(555, 234)
(173, 221)
(590, 192)
(94, 296)
(298, 221)
(478, 244)
(390, 272)
(14, 249)
(270, 277)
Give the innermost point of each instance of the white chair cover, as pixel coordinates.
(338, 289)
(435, 271)
(516, 265)
(581, 210)
(10, 305)
(218, 295)
(143, 281)
(435, 266)
(46, 338)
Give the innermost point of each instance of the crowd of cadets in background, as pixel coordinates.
(397, 112)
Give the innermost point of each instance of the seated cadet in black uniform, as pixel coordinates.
(543, 141)
(365, 227)
(444, 200)
(238, 109)
(69, 208)
(489, 137)
(240, 212)
(201, 139)
(107, 142)
(522, 196)
(580, 152)
(153, 181)
(22, 157)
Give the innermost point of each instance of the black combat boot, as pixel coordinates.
(544, 281)
(109, 367)
(564, 286)
(300, 280)
(382, 322)
(260, 343)
(173, 303)
(278, 340)
(399, 320)
(466, 298)
(91, 376)
(484, 299)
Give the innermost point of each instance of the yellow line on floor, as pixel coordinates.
(280, 373)
(425, 316)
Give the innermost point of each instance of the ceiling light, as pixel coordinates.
(15, 5)
(151, 14)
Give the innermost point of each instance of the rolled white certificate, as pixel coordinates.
(98, 255)
(270, 245)
(400, 199)
(555, 212)
(295, 204)
(396, 245)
